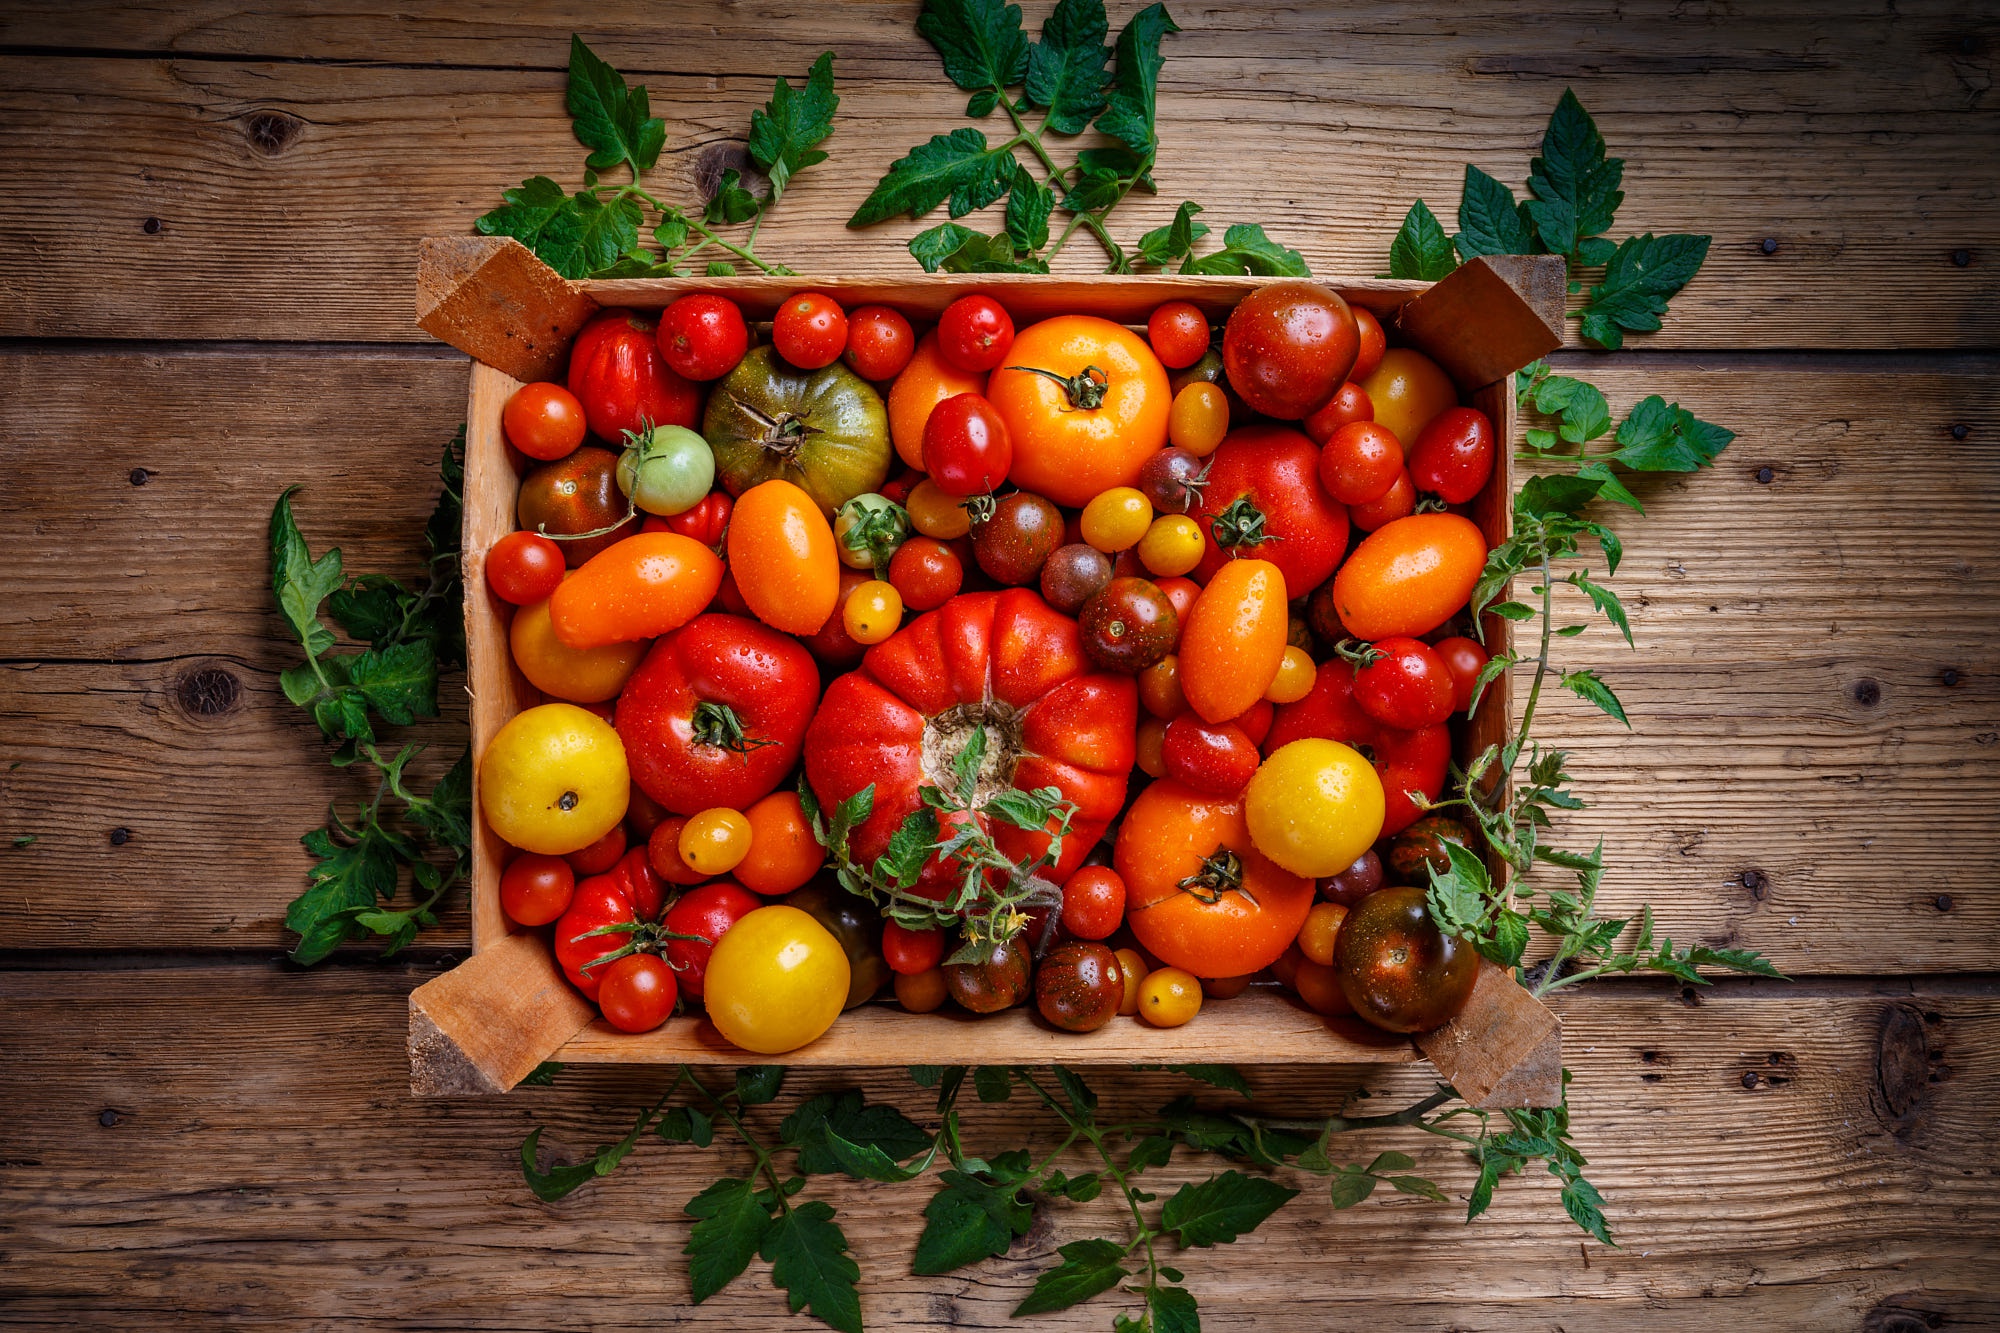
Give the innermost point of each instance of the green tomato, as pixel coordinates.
(868, 529)
(826, 431)
(666, 469)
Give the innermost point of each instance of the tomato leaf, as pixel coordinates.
(957, 166)
(784, 132)
(1574, 183)
(980, 41)
(1489, 221)
(758, 1084)
(611, 120)
(1615, 491)
(967, 1220)
(1028, 205)
(1585, 685)
(808, 1255)
(1065, 71)
(1420, 249)
(1605, 601)
(350, 873)
(1580, 409)
(1545, 497)
(909, 848)
(1247, 250)
(1088, 1267)
(878, 1125)
(730, 203)
(1644, 273)
(731, 1225)
(1350, 1185)
(1221, 1208)
(300, 582)
(1661, 437)
(1129, 111)
(1226, 1077)
(555, 1183)
(993, 1083)
(1173, 1310)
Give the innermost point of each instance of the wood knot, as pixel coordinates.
(151, 226)
(139, 476)
(1950, 676)
(1867, 693)
(208, 692)
(120, 836)
(725, 156)
(1757, 882)
(1901, 1314)
(1902, 1065)
(1765, 476)
(272, 132)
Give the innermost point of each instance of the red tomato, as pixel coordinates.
(1004, 661)
(1256, 721)
(647, 889)
(1453, 455)
(1406, 686)
(1179, 334)
(1399, 501)
(966, 447)
(1406, 760)
(1349, 403)
(1360, 462)
(709, 912)
(833, 647)
(703, 336)
(706, 522)
(543, 421)
(880, 342)
(1264, 499)
(599, 856)
(975, 333)
(810, 330)
(523, 568)
(1181, 593)
(535, 889)
(617, 372)
(1373, 343)
(1463, 660)
(911, 951)
(1288, 346)
(637, 993)
(1214, 758)
(1093, 902)
(1409, 576)
(927, 572)
(601, 900)
(716, 713)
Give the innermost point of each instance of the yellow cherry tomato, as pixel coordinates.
(715, 841)
(1406, 390)
(935, 513)
(1171, 546)
(1295, 677)
(1116, 519)
(554, 780)
(921, 992)
(1169, 997)
(580, 675)
(1316, 936)
(873, 612)
(1314, 806)
(1199, 419)
(1160, 688)
(776, 980)
(1132, 969)
(1151, 746)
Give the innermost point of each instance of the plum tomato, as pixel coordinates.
(1313, 806)
(912, 951)
(543, 421)
(1409, 576)
(1360, 462)
(783, 852)
(1373, 343)
(937, 513)
(1407, 761)
(872, 612)
(1463, 661)
(1398, 970)
(1407, 389)
(703, 336)
(1294, 680)
(599, 856)
(1264, 499)
(975, 333)
(1172, 480)
(782, 553)
(1199, 419)
(553, 780)
(1348, 405)
(776, 981)
(617, 373)
(966, 448)
(926, 572)
(810, 330)
(1073, 575)
(1421, 848)
(1356, 882)
(880, 342)
(1172, 546)
(573, 495)
(1016, 539)
(1288, 346)
(636, 993)
(1086, 403)
(1403, 683)
(1093, 902)
(1169, 997)
(645, 586)
(1399, 501)
(535, 890)
(922, 992)
(1160, 688)
(1179, 334)
(1116, 519)
(1234, 639)
(709, 912)
(1079, 986)
(523, 567)
(1453, 455)
(1214, 758)
(1000, 982)
(1128, 626)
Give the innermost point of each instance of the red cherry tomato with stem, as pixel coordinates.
(637, 993)
(810, 330)
(1403, 683)
(703, 336)
(524, 568)
(975, 333)
(967, 449)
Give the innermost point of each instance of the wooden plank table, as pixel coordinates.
(207, 248)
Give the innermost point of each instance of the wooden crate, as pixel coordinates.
(486, 1024)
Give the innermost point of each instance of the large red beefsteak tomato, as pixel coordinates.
(1263, 498)
(1407, 760)
(1004, 661)
(617, 373)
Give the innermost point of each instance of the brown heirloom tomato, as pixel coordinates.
(1073, 575)
(1288, 346)
(857, 927)
(1001, 982)
(1398, 970)
(1078, 986)
(576, 494)
(1017, 538)
(1128, 626)
(825, 431)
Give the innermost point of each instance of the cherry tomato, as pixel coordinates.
(1423, 847)
(1199, 419)
(1319, 987)
(912, 951)
(872, 612)
(599, 901)
(1453, 455)
(1001, 982)
(1360, 462)
(1085, 401)
(1348, 405)
(1116, 519)
(636, 993)
(1078, 986)
(1463, 661)
(1234, 639)
(1213, 758)
(522, 567)
(1356, 882)
(810, 330)
(1398, 970)
(715, 841)
(663, 852)
(1017, 539)
(1405, 684)
(575, 495)
(937, 513)
(535, 890)
(1407, 761)
(1160, 688)
(1128, 626)
(777, 980)
(1182, 593)
(1178, 332)
(782, 554)
(975, 333)
(1172, 545)
(543, 421)
(600, 855)
(1224, 988)
(831, 646)
(783, 853)
(1149, 746)
(1316, 936)
(1407, 389)
(926, 572)
(1073, 575)
(707, 521)
(1409, 576)
(1169, 997)
(966, 448)
(1294, 680)
(1399, 501)
(1093, 902)
(645, 586)
(617, 373)
(928, 380)
(1132, 970)
(1313, 806)
(880, 342)
(703, 336)
(1373, 343)
(922, 992)
(1288, 346)
(711, 912)
(1172, 480)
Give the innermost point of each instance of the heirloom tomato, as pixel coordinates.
(1314, 806)
(824, 431)
(1001, 981)
(710, 912)
(644, 586)
(553, 779)
(857, 927)
(1086, 403)
(574, 495)
(925, 382)
(1398, 970)
(663, 851)
(716, 714)
(781, 552)
(880, 342)
(1073, 575)
(666, 470)
(1463, 661)
(1234, 639)
(1160, 688)
(703, 336)
(1409, 576)
(1453, 455)
(601, 855)
(617, 373)
(1356, 882)
(1406, 761)
(543, 421)
(810, 330)
(1199, 895)
(1078, 986)
(1016, 539)
(1404, 684)
(937, 514)
(1406, 390)
(578, 675)
(975, 333)
(1263, 498)
(1288, 346)
(1172, 479)
(776, 981)
(1423, 847)
(1008, 664)
(783, 852)
(1127, 626)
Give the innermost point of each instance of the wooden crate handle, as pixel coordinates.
(483, 1026)
(1504, 1050)
(491, 298)
(1492, 315)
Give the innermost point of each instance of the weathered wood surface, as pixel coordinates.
(290, 192)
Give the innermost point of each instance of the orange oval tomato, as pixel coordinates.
(642, 587)
(928, 380)
(1234, 638)
(1095, 432)
(782, 553)
(1177, 850)
(580, 675)
(1407, 389)
(1408, 576)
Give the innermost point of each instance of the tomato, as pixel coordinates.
(717, 714)
(1294, 680)
(578, 675)
(1208, 370)
(1073, 575)
(1017, 538)
(776, 981)
(809, 330)
(522, 567)
(1086, 402)
(831, 645)
(1409, 576)
(1360, 462)
(975, 333)
(1314, 806)
(600, 856)
(1348, 405)
(706, 520)
(937, 514)
(1407, 389)
(1356, 882)
(1399, 501)
(1398, 970)
(553, 779)
(663, 852)
(1149, 747)
(1453, 455)
(1404, 684)
(928, 380)
(1160, 688)
(872, 612)
(1373, 343)
(1288, 346)
(617, 373)
(1463, 661)
(1116, 519)
(703, 336)
(922, 992)
(1317, 934)
(1422, 848)
(1005, 662)
(783, 852)
(1234, 640)
(1264, 499)
(1169, 997)
(966, 448)
(912, 951)
(781, 551)
(1133, 970)
(578, 494)
(825, 431)
(1078, 986)
(535, 890)
(1182, 593)
(1213, 758)
(1256, 721)
(543, 421)
(926, 572)
(1000, 982)
(1320, 988)
(1199, 419)
(1406, 761)
(714, 842)
(1200, 894)
(880, 342)
(636, 993)
(1128, 626)
(1172, 545)
(600, 901)
(1178, 332)
(857, 927)
(666, 470)
(1224, 988)
(1093, 902)
(711, 912)
(1172, 479)
(643, 587)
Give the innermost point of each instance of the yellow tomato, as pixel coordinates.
(714, 842)
(1169, 997)
(1316, 936)
(554, 780)
(1295, 677)
(937, 514)
(1407, 390)
(873, 611)
(1199, 419)
(580, 675)
(776, 980)
(1132, 970)
(1171, 546)
(1116, 519)
(1314, 806)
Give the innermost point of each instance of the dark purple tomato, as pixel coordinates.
(1172, 479)
(1079, 985)
(1398, 970)
(1074, 575)
(1356, 882)
(1017, 538)
(1420, 848)
(1001, 982)
(1128, 626)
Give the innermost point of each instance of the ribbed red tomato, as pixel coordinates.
(1264, 498)
(617, 373)
(1406, 760)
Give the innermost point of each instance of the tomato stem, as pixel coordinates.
(1085, 389)
(718, 725)
(1241, 524)
(1221, 872)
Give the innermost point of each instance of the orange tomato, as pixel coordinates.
(1407, 389)
(1234, 639)
(782, 554)
(928, 380)
(1407, 577)
(1174, 836)
(642, 587)
(580, 675)
(1072, 442)
(783, 852)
